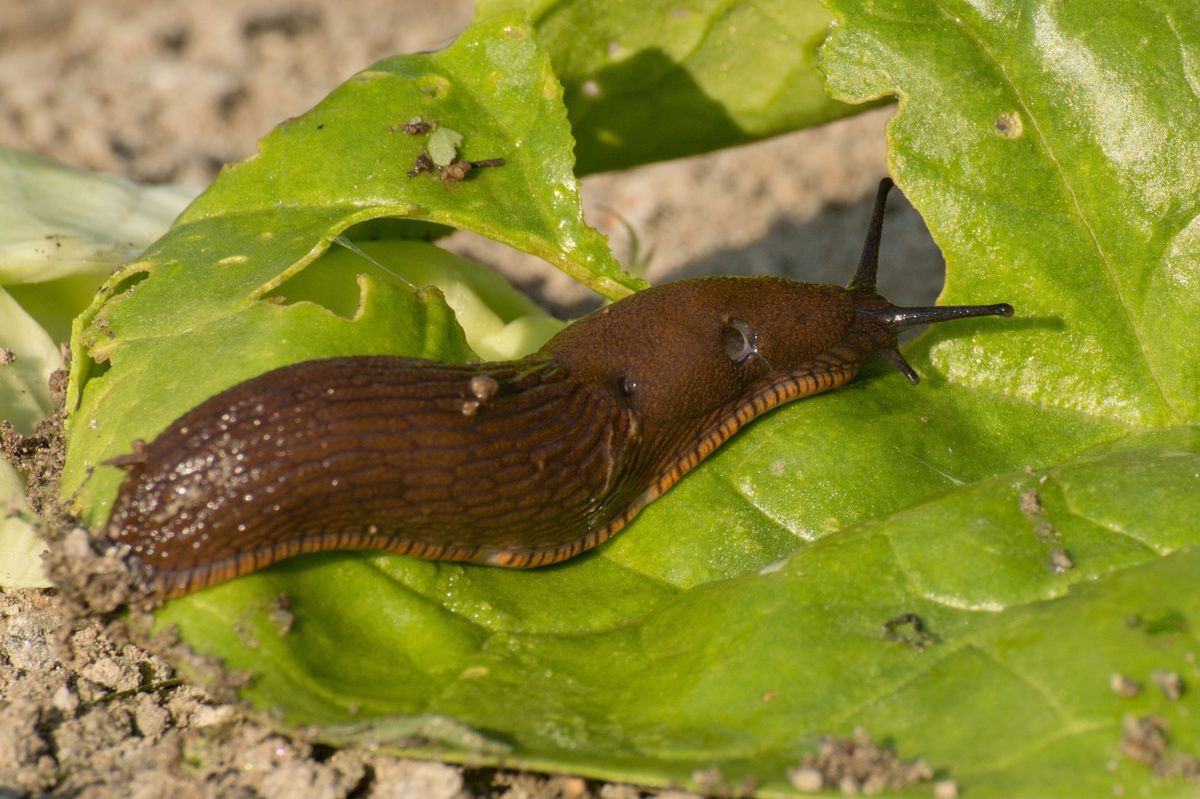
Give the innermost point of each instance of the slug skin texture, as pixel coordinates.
(515, 464)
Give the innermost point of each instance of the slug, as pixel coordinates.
(515, 464)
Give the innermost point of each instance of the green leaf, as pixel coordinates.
(20, 546)
(24, 401)
(1033, 501)
(64, 230)
(600, 667)
(1052, 150)
(208, 295)
(61, 222)
(656, 79)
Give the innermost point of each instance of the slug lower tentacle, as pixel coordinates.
(513, 464)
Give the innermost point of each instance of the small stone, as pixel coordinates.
(1124, 686)
(76, 544)
(709, 779)
(150, 717)
(567, 787)
(410, 779)
(856, 765)
(945, 789)
(112, 674)
(66, 700)
(806, 779)
(210, 716)
(614, 791)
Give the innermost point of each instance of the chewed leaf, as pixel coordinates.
(64, 231)
(205, 299)
(959, 567)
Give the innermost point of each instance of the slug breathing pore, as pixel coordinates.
(518, 463)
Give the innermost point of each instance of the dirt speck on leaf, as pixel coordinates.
(1030, 504)
(857, 765)
(1145, 739)
(1122, 685)
(206, 93)
(1170, 683)
(1060, 561)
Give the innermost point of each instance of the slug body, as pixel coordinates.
(515, 464)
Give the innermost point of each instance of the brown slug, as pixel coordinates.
(516, 464)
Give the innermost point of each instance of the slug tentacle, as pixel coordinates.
(888, 319)
(514, 464)
(868, 263)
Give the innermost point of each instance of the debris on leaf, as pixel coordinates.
(458, 170)
(1144, 739)
(1124, 686)
(441, 152)
(455, 170)
(1170, 683)
(857, 765)
(417, 126)
(1060, 561)
(1030, 503)
(422, 164)
(909, 629)
(443, 146)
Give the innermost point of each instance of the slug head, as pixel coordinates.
(678, 353)
(878, 322)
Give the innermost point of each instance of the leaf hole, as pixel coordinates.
(331, 280)
(128, 282)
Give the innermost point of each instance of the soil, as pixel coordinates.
(167, 92)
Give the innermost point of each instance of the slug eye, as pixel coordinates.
(739, 340)
(627, 385)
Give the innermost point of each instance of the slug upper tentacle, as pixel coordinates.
(513, 464)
